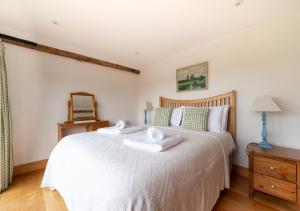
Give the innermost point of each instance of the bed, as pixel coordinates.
(92, 171)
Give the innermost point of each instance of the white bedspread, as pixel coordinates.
(97, 172)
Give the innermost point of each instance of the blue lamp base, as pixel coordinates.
(265, 145)
(264, 134)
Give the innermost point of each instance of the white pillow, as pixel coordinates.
(176, 116)
(225, 117)
(217, 118)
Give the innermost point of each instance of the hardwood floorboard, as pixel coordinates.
(25, 194)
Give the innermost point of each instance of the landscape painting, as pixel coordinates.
(193, 77)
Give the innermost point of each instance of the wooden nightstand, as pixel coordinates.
(275, 171)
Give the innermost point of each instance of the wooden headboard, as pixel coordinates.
(223, 99)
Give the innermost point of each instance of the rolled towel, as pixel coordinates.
(142, 142)
(155, 134)
(121, 124)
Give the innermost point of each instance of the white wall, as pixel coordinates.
(265, 59)
(39, 87)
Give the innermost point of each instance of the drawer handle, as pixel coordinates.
(272, 168)
(273, 186)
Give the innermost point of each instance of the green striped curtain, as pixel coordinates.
(6, 162)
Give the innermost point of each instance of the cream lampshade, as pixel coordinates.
(265, 104)
(149, 106)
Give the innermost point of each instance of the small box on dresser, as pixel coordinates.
(275, 171)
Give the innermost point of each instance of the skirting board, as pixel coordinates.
(240, 170)
(29, 167)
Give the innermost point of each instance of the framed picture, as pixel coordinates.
(194, 77)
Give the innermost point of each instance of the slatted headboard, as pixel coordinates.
(223, 99)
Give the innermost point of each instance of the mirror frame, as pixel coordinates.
(70, 108)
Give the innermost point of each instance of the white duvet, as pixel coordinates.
(97, 172)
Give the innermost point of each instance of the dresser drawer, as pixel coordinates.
(276, 187)
(99, 125)
(275, 168)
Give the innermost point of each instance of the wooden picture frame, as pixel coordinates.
(192, 78)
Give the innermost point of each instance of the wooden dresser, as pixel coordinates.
(275, 171)
(89, 126)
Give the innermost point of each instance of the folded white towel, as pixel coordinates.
(143, 142)
(116, 131)
(121, 124)
(155, 134)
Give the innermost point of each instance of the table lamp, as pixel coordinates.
(264, 104)
(147, 113)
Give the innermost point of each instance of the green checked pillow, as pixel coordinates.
(195, 118)
(162, 116)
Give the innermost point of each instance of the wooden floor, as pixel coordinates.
(25, 194)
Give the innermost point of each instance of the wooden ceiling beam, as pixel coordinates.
(68, 54)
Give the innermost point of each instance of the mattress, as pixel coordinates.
(98, 172)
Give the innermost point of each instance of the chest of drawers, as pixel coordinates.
(275, 171)
(89, 126)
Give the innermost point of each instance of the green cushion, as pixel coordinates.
(162, 116)
(195, 119)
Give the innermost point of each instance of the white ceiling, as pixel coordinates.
(116, 29)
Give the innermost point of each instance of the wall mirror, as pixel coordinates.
(82, 106)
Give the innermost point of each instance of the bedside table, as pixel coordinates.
(275, 171)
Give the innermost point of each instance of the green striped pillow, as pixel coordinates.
(195, 118)
(162, 116)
